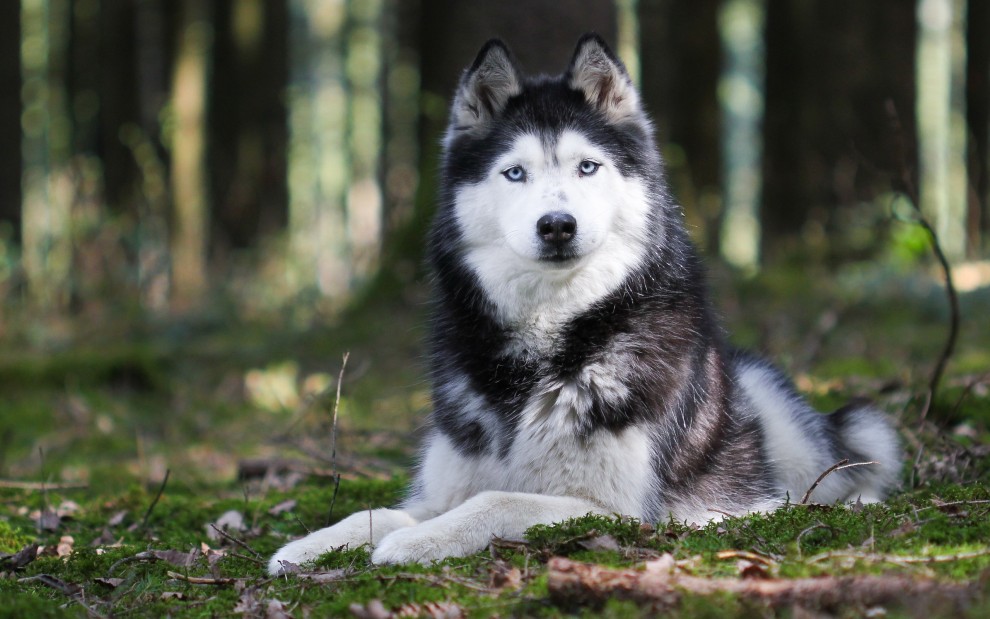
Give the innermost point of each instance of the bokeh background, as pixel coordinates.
(205, 203)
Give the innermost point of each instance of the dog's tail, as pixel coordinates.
(862, 434)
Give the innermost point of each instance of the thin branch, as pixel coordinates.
(230, 537)
(161, 490)
(914, 198)
(197, 580)
(41, 486)
(838, 466)
(333, 439)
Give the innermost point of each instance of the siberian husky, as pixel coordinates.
(576, 364)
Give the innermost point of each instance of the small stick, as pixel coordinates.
(838, 466)
(161, 490)
(333, 439)
(199, 580)
(954, 314)
(14, 484)
(230, 537)
(745, 554)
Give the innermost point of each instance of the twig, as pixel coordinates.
(745, 554)
(813, 527)
(838, 466)
(573, 584)
(69, 590)
(333, 439)
(161, 490)
(898, 559)
(14, 484)
(950, 289)
(199, 580)
(230, 537)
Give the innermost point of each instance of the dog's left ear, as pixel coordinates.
(601, 76)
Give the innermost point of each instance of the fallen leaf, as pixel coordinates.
(175, 557)
(284, 506)
(601, 542)
(118, 518)
(503, 576)
(20, 558)
(372, 610)
(65, 545)
(276, 610)
(231, 520)
(113, 583)
(751, 570)
(46, 520)
(172, 595)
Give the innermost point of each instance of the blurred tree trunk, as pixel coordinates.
(978, 122)
(941, 120)
(248, 131)
(363, 72)
(318, 163)
(401, 78)
(189, 179)
(10, 121)
(681, 63)
(45, 150)
(830, 68)
(118, 91)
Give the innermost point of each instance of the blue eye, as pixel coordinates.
(588, 167)
(515, 174)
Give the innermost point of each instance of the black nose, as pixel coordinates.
(556, 228)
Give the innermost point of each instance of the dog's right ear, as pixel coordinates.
(484, 90)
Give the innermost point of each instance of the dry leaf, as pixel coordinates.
(65, 545)
(503, 576)
(172, 595)
(21, 558)
(113, 583)
(284, 506)
(601, 542)
(229, 521)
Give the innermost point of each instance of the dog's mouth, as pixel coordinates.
(558, 257)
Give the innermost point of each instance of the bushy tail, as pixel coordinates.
(862, 433)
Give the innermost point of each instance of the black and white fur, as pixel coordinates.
(576, 364)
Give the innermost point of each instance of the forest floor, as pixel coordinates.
(150, 468)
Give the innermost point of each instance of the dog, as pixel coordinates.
(576, 362)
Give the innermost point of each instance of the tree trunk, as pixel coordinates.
(10, 122)
(831, 67)
(189, 180)
(978, 122)
(248, 131)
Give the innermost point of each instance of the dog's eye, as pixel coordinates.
(588, 167)
(515, 174)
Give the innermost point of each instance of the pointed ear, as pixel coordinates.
(484, 90)
(597, 73)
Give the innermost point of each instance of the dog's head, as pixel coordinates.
(550, 182)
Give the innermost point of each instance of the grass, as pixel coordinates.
(116, 409)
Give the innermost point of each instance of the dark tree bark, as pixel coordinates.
(978, 122)
(681, 59)
(118, 97)
(248, 128)
(10, 117)
(830, 69)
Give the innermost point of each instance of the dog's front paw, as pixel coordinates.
(300, 551)
(426, 543)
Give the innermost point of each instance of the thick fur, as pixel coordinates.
(580, 369)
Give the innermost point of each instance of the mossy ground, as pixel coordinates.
(113, 410)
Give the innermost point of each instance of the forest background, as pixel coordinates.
(206, 204)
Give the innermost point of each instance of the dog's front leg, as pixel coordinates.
(469, 527)
(365, 527)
